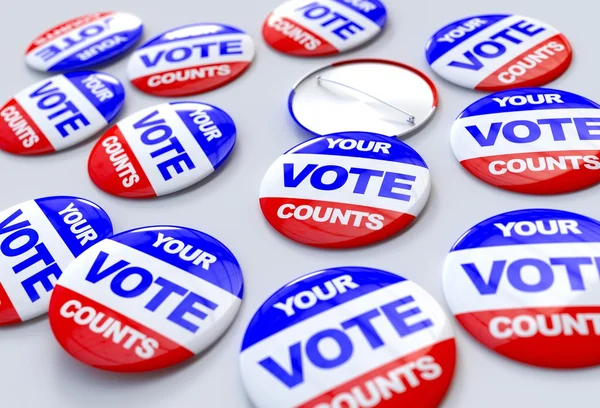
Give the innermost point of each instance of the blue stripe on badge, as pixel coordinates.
(213, 129)
(436, 47)
(103, 91)
(362, 145)
(106, 48)
(225, 272)
(270, 320)
(527, 99)
(191, 31)
(72, 218)
(374, 10)
(539, 226)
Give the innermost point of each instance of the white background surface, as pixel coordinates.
(36, 372)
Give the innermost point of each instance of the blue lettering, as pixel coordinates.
(146, 278)
(233, 47)
(187, 305)
(473, 62)
(584, 129)
(556, 128)
(390, 182)
(178, 54)
(348, 29)
(289, 180)
(485, 141)
(516, 280)
(167, 288)
(343, 341)
(364, 176)
(527, 28)
(316, 11)
(573, 266)
(149, 62)
(533, 131)
(341, 176)
(363, 322)
(43, 278)
(491, 286)
(398, 320)
(95, 274)
(290, 379)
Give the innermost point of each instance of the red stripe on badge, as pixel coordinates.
(537, 66)
(19, 134)
(539, 172)
(555, 337)
(192, 80)
(65, 28)
(331, 224)
(289, 37)
(113, 167)
(8, 313)
(105, 339)
(420, 379)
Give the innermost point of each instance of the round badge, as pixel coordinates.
(162, 149)
(84, 41)
(38, 240)
(345, 190)
(191, 59)
(309, 28)
(530, 140)
(526, 285)
(59, 112)
(366, 95)
(498, 51)
(146, 299)
(348, 337)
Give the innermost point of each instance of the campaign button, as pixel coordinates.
(309, 28)
(493, 52)
(363, 95)
(84, 41)
(38, 240)
(526, 284)
(530, 140)
(191, 59)
(348, 337)
(162, 149)
(345, 190)
(146, 299)
(59, 112)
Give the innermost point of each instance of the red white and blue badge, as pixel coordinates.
(348, 337)
(59, 112)
(191, 59)
(526, 284)
(146, 299)
(162, 149)
(310, 28)
(345, 190)
(84, 41)
(530, 140)
(38, 240)
(498, 51)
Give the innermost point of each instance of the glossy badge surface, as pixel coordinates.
(526, 284)
(38, 240)
(146, 299)
(498, 51)
(191, 59)
(530, 140)
(345, 190)
(310, 28)
(84, 41)
(59, 112)
(348, 337)
(363, 95)
(162, 149)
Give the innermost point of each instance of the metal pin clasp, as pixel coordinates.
(411, 118)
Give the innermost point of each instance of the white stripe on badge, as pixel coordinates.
(55, 245)
(142, 152)
(289, 8)
(137, 68)
(364, 358)
(273, 183)
(134, 308)
(463, 296)
(466, 147)
(48, 127)
(470, 78)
